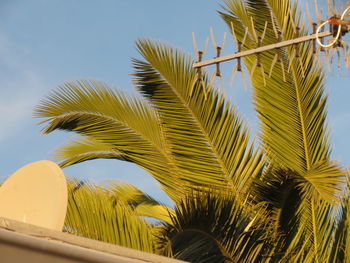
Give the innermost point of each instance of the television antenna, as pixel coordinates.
(322, 40)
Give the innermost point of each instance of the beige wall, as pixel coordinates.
(20, 242)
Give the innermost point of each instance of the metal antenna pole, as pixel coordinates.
(261, 49)
(338, 27)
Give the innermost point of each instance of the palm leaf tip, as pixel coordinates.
(85, 149)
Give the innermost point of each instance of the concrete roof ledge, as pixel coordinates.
(21, 242)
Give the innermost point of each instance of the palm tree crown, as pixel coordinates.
(282, 201)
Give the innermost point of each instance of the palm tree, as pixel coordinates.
(284, 201)
(294, 133)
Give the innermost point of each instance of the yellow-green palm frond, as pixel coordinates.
(95, 97)
(142, 204)
(322, 180)
(93, 213)
(212, 227)
(127, 127)
(306, 226)
(85, 149)
(341, 240)
(280, 192)
(208, 140)
(292, 110)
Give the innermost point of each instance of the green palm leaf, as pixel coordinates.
(292, 113)
(292, 110)
(280, 207)
(341, 242)
(213, 227)
(143, 204)
(85, 149)
(106, 118)
(93, 213)
(208, 140)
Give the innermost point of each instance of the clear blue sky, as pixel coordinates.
(44, 43)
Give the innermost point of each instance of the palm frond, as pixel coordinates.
(208, 140)
(292, 111)
(323, 180)
(97, 97)
(128, 126)
(92, 213)
(279, 191)
(341, 242)
(85, 149)
(211, 227)
(143, 204)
